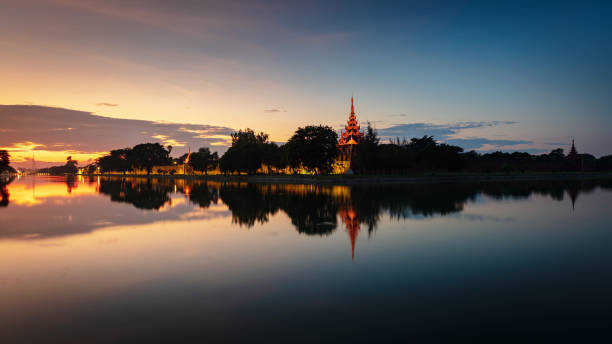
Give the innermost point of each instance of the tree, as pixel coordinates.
(70, 162)
(147, 155)
(5, 159)
(248, 136)
(605, 163)
(366, 152)
(117, 161)
(202, 160)
(247, 152)
(313, 147)
(557, 154)
(71, 165)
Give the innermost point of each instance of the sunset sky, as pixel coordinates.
(516, 75)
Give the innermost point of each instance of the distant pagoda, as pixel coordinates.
(350, 136)
(573, 154)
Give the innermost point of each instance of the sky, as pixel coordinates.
(515, 75)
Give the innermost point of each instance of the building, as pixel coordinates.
(573, 154)
(349, 138)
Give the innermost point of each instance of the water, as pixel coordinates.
(135, 260)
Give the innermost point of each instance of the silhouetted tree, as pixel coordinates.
(202, 160)
(366, 152)
(247, 152)
(117, 161)
(5, 159)
(71, 165)
(147, 155)
(313, 147)
(557, 154)
(605, 163)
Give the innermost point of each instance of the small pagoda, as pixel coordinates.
(573, 154)
(350, 136)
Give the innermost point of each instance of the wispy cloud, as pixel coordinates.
(271, 110)
(480, 142)
(107, 104)
(448, 132)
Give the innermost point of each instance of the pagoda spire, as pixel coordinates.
(352, 134)
(573, 154)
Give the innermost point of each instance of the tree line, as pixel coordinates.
(70, 167)
(313, 148)
(427, 155)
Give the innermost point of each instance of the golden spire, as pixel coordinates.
(352, 106)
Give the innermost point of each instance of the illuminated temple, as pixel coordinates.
(350, 136)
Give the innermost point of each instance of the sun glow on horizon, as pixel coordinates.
(23, 152)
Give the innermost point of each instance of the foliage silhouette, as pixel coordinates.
(119, 160)
(203, 160)
(313, 147)
(147, 155)
(247, 152)
(69, 168)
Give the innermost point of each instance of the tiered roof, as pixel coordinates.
(573, 154)
(351, 134)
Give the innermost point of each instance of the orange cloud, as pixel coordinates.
(52, 134)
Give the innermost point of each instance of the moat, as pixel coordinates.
(95, 259)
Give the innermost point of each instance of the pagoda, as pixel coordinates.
(350, 136)
(573, 154)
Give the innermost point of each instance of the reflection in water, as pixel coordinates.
(141, 260)
(4, 193)
(312, 209)
(143, 194)
(71, 183)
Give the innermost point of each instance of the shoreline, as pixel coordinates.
(381, 179)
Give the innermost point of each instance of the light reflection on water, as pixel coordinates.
(97, 259)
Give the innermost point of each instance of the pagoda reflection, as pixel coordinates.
(352, 223)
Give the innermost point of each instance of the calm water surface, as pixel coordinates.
(134, 260)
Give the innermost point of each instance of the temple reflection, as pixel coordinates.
(313, 210)
(352, 223)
